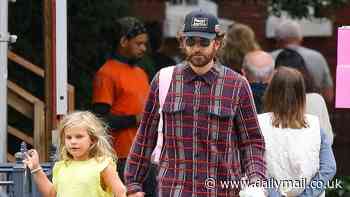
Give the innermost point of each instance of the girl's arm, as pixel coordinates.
(44, 185)
(111, 179)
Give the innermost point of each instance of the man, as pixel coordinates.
(121, 87)
(210, 128)
(288, 34)
(258, 68)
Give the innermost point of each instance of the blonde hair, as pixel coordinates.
(96, 129)
(238, 41)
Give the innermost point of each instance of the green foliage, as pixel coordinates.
(343, 191)
(301, 8)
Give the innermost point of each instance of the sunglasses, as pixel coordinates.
(203, 42)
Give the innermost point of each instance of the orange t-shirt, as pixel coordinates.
(125, 88)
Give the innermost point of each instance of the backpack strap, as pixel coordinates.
(165, 76)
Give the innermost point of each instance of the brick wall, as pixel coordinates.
(149, 10)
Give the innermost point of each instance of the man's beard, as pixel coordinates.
(201, 60)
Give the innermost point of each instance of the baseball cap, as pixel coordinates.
(201, 24)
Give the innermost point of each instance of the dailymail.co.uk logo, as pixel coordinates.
(200, 22)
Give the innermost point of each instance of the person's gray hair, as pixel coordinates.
(258, 73)
(288, 29)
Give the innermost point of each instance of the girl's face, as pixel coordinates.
(78, 142)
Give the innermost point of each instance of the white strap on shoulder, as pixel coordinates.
(165, 76)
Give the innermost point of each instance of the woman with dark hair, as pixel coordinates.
(297, 149)
(315, 103)
(292, 59)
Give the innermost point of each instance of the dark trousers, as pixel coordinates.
(149, 185)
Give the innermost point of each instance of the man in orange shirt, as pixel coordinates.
(120, 90)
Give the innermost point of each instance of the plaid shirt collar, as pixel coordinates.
(209, 77)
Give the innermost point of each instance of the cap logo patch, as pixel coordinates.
(199, 22)
(217, 28)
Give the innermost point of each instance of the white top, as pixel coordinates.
(316, 105)
(291, 154)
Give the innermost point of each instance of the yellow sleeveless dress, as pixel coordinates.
(80, 178)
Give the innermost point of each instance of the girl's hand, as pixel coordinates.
(137, 194)
(111, 179)
(31, 159)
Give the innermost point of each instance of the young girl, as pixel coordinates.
(297, 149)
(87, 166)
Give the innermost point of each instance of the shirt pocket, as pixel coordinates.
(221, 117)
(222, 128)
(173, 107)
(173, 113)
(173, 125)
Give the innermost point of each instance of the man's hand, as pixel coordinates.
(137, 194)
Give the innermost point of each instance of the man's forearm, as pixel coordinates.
(120, 122)
(116, 122)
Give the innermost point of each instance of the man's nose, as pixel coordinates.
(196, 47)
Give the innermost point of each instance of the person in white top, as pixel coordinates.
(315, 104)
(296, 149)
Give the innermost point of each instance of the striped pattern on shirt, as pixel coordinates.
(210, 131)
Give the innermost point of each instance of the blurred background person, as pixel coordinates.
(315, 104)
(120, 90)
(288, 35)
(297, 148)
(238, 41)
(258, 67)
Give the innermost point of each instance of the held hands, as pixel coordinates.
(137, 194)
(32, 159)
